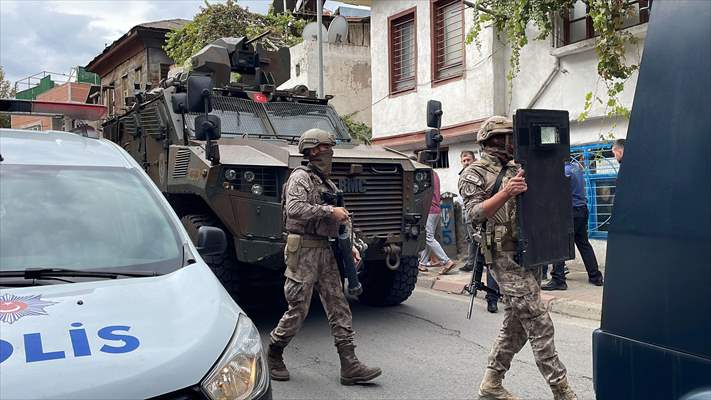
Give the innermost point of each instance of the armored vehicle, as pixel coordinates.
(653, 341)
(221, 151)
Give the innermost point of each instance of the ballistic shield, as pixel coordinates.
(544, 211)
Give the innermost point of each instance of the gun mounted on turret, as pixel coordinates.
(256, 66)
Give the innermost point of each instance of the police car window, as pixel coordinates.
(83, 218)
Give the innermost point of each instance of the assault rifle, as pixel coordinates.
(342, 249)
(475, 284)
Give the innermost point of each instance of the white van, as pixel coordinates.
(102, 293)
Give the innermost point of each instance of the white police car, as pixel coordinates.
(102, 294)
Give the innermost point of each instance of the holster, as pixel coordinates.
(292, 250)
(497, 238)
(487, 246)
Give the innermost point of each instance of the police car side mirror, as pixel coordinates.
(434, 114)
(211, 241)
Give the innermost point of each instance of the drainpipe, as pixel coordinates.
(545, 84)
(319, 39)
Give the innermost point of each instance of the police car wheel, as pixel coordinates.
(383, 287)
(224, 266)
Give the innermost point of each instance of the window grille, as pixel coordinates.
(443, 160)
(447, 39)
(600, 173)
(403, 52)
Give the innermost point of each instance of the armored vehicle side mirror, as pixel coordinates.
(179, 102)
(434, 114)
(432, 139)
(199, 92)
(211, 241)
(207, 127)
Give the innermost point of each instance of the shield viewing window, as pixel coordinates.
(549, 135)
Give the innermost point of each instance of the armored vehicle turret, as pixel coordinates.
(221, 151)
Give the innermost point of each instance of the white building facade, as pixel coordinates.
(418, 53)
(347, 70)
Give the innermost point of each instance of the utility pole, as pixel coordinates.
(319, 39)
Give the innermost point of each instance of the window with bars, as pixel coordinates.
(447, 39)
(578, 26)
(442, 160)
(403, 45)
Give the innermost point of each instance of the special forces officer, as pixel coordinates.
(310, 261)
(526, 317)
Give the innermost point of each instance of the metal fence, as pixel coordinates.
(600, 172)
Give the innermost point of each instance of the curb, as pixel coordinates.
(563, 306)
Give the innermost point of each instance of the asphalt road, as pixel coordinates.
(427, 350)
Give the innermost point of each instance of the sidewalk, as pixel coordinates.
(582, 299)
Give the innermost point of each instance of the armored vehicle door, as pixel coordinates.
(154, 144)
(544, 211)
(142, 132)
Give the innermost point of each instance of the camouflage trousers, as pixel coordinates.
(316, 270)
(526, 318)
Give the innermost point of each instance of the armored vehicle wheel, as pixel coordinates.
(383, 287)
(223, 266)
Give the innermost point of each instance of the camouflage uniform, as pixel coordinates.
(526, 318)
(310, 260)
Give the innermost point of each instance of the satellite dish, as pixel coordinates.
(338, 30)
(311, 31)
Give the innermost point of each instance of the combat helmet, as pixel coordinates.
(314, 137)
(495, 125)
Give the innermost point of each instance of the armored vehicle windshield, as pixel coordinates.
(283, 120)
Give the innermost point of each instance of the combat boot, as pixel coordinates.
(275, 359)
(491, 387)
(562, 391)
(352, 370)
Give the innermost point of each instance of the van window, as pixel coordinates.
(83, 218)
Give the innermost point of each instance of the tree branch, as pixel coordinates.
(482, 9)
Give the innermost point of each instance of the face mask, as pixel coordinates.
(504, 152)
(501, 153)
(322, 162)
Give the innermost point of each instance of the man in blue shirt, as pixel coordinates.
(580, 225)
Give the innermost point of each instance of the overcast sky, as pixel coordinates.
(58, 35)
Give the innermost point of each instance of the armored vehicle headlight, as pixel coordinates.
(420, 176)
(241, 372)
(257, 189)
(249, 176)
(415, 188)
(230, 174)
(415, 230)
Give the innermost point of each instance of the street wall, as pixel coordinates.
(347, 71)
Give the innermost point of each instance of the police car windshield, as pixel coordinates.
(83, 219)
(285, 120)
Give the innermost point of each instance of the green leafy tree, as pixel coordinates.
(230, 20)
(360, 132)
(6, 91)
(511, 17)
